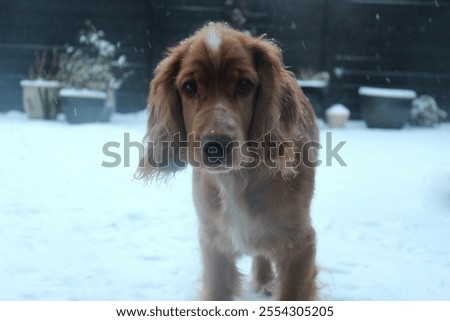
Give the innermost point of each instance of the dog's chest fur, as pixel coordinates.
(240, 225)
(245, 227)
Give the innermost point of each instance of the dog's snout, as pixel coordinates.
(216, 148)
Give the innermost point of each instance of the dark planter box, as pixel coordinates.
(82, 106)
(315, 91)
(385, 108)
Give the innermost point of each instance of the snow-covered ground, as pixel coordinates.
(71, 229)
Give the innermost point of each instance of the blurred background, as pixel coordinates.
(382, 43)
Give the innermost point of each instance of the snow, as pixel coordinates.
(338, 109)
(387, 92)
(40, 83)
(313, 83)
(84, 93)
(71, 229)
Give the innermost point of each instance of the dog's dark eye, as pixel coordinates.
(243, 86)
(190, 88)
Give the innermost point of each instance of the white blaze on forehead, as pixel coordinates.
(213, 39)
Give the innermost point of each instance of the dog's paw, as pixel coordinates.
(265, 289)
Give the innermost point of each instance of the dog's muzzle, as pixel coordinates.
(216, 150)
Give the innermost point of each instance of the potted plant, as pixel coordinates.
(337, 116)
(385, 107)
(40, 90)
(314, 85)
(90, 74)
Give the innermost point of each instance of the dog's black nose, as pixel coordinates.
(216, 148)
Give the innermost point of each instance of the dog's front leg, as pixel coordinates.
(297, 271)
(262, 275)
(221, 278)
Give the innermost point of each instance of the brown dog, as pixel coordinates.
(224, 102)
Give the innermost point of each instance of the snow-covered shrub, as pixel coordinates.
(425, 112)
(93, 63)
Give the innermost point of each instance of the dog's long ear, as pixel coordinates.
(165, 128)
(282, 116)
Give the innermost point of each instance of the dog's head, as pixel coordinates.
(217, 100)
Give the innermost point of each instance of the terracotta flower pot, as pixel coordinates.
(40, 98)
(337, 116)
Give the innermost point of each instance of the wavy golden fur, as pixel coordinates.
(222, 87)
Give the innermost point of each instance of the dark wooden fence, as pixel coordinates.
(389, 43)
